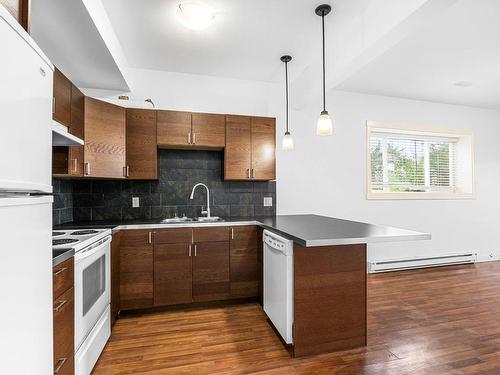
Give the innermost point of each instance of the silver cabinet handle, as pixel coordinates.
(53, 104)
(253, 173)
(126, 171)
(150, 238)
(189, 249)
(87, 169)
(194, 138)
(61, 304)
(58, 272)
(189, 138)
(60, 364)
(232, 233)
(75, 164)
(194, 249)
(248, 172)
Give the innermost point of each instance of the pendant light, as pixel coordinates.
(287, 143)
(325, 125)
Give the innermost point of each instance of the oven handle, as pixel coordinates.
(91, 250)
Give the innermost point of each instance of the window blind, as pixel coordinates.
(411, 163)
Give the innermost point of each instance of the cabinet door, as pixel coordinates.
(172, 274)
(75, 158)
(263, 148)
(237, 154)
(104, 139)
(209, 130)
(174, 128)
(64, 332)
(115, 276)
(136, 270)
(141, 149)
(62, 99)
(244, 262)
(210, 271)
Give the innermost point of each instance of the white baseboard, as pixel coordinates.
(401, 264)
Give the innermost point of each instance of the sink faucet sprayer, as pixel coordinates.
(208, 197)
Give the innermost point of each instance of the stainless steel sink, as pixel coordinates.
(211, 219)
(177, 220)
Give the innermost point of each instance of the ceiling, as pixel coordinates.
(245, 40)
(462, 45)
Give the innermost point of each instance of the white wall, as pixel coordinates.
(328, 175)
(196, 93)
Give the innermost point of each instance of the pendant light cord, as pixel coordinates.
(286, 90)
(324, 69)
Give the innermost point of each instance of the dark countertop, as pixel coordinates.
(305, 230)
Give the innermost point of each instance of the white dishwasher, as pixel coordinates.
(278, 283)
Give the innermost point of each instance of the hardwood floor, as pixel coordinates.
(434, 321)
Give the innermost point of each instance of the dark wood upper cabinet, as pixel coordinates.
(173, 281)
(211, 271)
(244, 264)
(263, 148)
(208, 130)
(75, 158)
(141, 146)
(104, 139)
(250, 148)
(191, 130)
(136, 269)
(237, 154)
(174, 129)
(61, 105)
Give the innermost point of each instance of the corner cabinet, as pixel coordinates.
(250, 152)
(141, 145)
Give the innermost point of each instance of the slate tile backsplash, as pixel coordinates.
(179, 171)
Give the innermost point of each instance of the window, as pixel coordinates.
(411, 162)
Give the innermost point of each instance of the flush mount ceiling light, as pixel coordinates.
(325, 125)
(287, 144)
(195, 15)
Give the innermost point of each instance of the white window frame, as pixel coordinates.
(466, 191)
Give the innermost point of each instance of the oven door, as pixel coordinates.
(92, 287)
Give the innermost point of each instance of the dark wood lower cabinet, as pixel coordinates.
(64, 317)
(244, 262)
(173, 281)
(136, 269)
(211, 271)
(115, 276)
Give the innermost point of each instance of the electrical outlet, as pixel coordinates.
(268, 201)
(135, 202)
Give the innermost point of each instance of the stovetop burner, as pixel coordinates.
(57, 234)
(84, 232)
(63, 241)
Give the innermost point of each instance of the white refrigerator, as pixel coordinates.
(25, 203)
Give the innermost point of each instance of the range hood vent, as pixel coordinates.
(61, 136)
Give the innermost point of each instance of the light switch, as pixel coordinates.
(268, 201)
(135, 202)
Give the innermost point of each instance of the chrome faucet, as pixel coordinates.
(207, 212)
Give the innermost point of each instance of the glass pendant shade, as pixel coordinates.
(287, 143)
(325, 124)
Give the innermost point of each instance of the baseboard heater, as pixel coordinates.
(423, 262)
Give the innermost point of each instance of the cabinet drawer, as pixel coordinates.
(175, 235)
(212, 234)
(62, 277)
(63, 311)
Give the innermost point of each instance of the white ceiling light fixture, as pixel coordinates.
(325, 124)
(195, 15)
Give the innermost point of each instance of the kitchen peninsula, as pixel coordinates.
(329, 268)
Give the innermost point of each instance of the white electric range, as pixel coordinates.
(92, 291)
